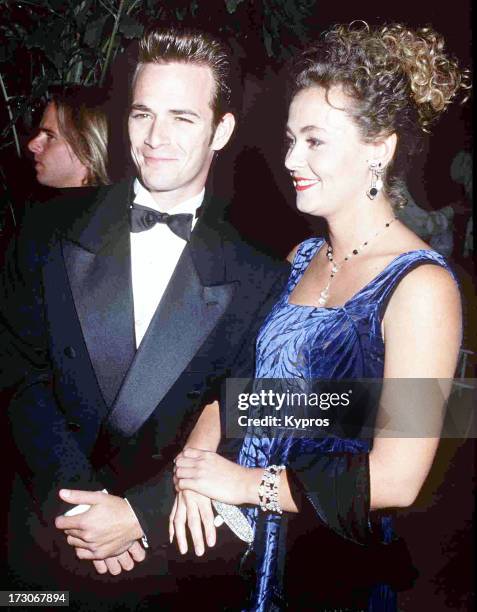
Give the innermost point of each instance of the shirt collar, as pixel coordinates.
(144, 197)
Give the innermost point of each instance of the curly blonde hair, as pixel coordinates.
(400, 81)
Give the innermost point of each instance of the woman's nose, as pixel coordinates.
(293, 158)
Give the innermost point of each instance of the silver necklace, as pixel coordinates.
(336, 267)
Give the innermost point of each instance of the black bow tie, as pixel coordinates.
(142, 218)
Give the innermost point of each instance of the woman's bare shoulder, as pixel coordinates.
(428, 294)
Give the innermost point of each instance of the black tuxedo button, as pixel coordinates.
(72, 426)
(40, 359)
(70, 352)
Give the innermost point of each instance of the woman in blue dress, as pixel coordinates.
(369, 301)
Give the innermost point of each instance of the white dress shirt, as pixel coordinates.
(154, 256)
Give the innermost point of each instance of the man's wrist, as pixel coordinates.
(139, 534)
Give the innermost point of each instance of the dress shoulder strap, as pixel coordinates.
(386, 282)
(304, 254)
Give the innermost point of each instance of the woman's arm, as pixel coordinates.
(218, 478)
(422, 330)
(206, 432)
(192, 508)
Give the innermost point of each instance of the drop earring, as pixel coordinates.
(376, 180)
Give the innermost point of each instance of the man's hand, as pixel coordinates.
(108, 529)
(195, 510)
(125, 561)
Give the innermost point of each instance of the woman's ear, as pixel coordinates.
(383, 148)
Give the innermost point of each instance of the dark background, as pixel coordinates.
(249, 175)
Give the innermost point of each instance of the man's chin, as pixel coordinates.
(154, 185)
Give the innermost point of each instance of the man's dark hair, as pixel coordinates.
(159, 46)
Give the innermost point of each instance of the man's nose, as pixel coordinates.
(159, 133)
(35, 145)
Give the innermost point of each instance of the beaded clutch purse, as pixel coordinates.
(233, 518)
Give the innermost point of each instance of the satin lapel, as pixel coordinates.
(102, 290)
(185, 316)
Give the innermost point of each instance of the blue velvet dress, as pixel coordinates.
(306, 342)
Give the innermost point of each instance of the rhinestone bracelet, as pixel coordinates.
(268, 489)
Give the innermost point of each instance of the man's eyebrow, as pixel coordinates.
(47, 131)
(184, 111)
(173, 111)
(140, 107)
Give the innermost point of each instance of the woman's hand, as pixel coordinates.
(211, 475)
(195, 510)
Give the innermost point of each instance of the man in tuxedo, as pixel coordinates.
(123, 313)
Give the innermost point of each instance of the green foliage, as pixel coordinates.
(51, 42)
(57, 42)
(232, 5)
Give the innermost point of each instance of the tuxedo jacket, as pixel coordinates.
(90, 411)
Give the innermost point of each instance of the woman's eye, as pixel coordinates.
(140, 115)
(313, 142)
(183, 120)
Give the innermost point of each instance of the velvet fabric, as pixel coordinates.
(332, 473)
